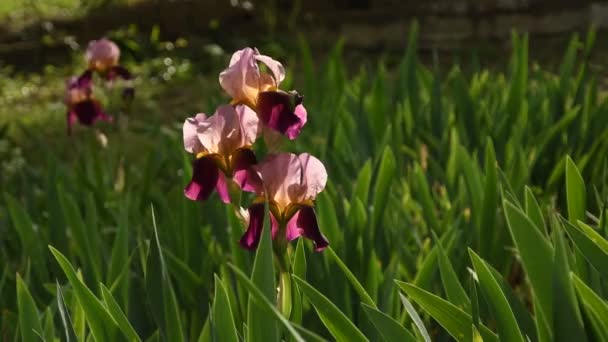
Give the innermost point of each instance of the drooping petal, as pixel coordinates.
(221, 132)
(89, 111)
(277, 69)
(277, 110)
(222, 188)
(205, 176)
(306, 224)
(251, 238)
(241, 79)
(250, 124)
(314, 176)
(241, 161)
(118, 71)
(192, 143)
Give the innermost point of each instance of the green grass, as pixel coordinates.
(479, 197)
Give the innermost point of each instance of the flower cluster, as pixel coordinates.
(102, 58)
(222, 144)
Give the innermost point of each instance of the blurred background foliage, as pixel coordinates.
(419, 141)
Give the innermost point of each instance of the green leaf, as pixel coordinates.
(79, 229)
(505, 320)
(29, 321)
(160, 292)
(260, 327)
(452, 286)
(336, 322)
(423, 193)
(593, 303)
(363, 182)
(414, 315)
(533, 210)
(224, 328)
(536, 255)
(567, 321)
(66, 321)
(29, 237)
(390, 329)
(98, 318)
(267, 306)
(590, 244)
(386, 175)
(490, 202)
(118, 315)
(299, 269)
(455, 321)
(575, 192)
(363, 295)
(429, 264)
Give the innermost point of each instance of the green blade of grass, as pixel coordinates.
(336, 322)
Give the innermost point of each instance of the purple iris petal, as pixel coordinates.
(222, 188)
(251, 238)
(88, 112)
(305, 221)
(205, 175)
(242, 159)
(282, 112)
(118, 72)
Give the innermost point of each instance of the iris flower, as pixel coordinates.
(102, 56)
(291, 183)
(247, 84)
(222, 146)
(82, 106)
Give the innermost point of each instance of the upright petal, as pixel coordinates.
(304, 223)
(241, 79)
(314, 176)
(282, 177)
(277, 69)
(250, 124)
(192, 143)
(102, 54)
(279, 111)
(205, 175)
(251, 238)
(221, 132)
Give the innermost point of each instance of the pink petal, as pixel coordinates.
(250, 125)
(205, 176)
(277, 69)
(241, 79)
(191, 142)
(282, 177)
(304, 223)
(221, 132)
(102, 54)
(314, 175)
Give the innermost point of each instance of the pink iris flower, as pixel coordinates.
(247, 84)
(82, 106)
(291, 183)
(102, 56)
(222, 146)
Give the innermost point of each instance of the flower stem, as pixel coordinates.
(284, 299)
